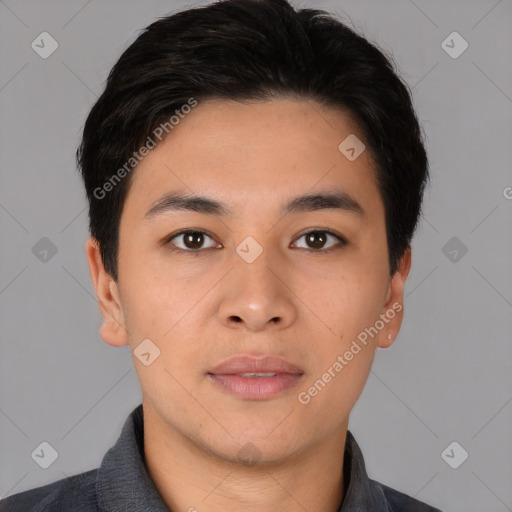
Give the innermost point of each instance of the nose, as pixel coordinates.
(257, 296)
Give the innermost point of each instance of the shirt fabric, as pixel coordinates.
(122, 483)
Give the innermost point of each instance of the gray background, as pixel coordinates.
(448, 375)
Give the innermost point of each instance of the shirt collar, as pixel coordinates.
(123, 482)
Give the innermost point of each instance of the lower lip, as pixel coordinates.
(257, 388)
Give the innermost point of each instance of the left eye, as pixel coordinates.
(317, 238)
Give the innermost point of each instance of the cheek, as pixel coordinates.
(171, 314)
(346, 304)
(155, 298)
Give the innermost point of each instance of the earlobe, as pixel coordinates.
(112, 331)
(393, 308)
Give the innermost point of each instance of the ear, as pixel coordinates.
(112, 330)
(393, 310)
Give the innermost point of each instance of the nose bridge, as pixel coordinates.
(257, 269)
(255, 294)
(256, 272)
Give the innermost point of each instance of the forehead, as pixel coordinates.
(252, 151)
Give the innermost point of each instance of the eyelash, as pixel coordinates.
(196, 252)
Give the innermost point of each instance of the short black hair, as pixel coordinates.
(251, 50)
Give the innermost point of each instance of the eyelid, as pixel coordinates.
(322, 230)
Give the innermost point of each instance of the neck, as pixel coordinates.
(191, 478)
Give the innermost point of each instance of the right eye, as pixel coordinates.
(189, 241)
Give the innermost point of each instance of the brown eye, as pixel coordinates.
(191, 241)
(315, 240)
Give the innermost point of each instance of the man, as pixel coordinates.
(254, 176)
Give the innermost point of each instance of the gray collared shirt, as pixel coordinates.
(122, 483)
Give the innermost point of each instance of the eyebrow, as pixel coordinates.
(178, 201)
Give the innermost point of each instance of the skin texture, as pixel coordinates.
(201, 309)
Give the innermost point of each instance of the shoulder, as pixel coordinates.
(77, 493)
(400, 502)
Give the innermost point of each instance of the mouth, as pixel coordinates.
(254, 378)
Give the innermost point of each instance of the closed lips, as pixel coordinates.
(251, 366)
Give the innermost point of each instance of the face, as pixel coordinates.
(307, 282)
